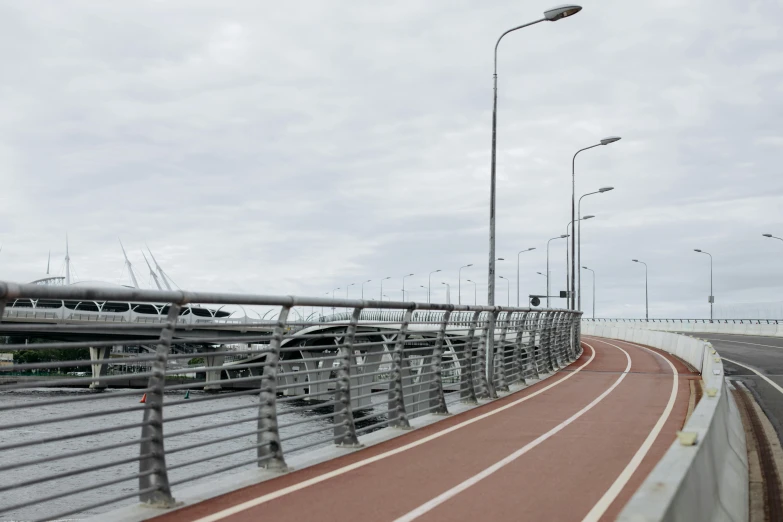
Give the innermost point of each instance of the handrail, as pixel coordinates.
(373, 366)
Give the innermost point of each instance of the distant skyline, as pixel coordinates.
(296, 148)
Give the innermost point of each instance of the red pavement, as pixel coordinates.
(549, 452)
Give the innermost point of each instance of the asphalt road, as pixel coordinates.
(764, 354)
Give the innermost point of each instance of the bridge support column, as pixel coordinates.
(213, 358)
(99, 369)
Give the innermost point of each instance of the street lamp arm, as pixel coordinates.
(509, 31)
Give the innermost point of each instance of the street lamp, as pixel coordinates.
(474, 291)
(773, 237)
(579, 240)
(712, 297)
(646, 301)
(528, 250)
(547, 265)
(333, 298)
(552, 15)
(605, 141)
(429, 283)
(448, 292)
(593, 271)
(363, 287)
(508, 290)
(346, 289)
(403, 285)
(382, 280)
(459, 283)
(568, 272)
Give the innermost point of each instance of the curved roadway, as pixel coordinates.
(573, 447)
(758, 362)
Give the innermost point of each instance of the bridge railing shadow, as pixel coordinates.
(97, 415)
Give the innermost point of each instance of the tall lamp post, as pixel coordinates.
(646, 301)
(547, 266)
(363, 287)
(474, 291)
(382, 280)
(448, 292)
(712, 297)
(551, 15)
(429, 283)
(333, 291)
(579, 242)
(459, 283)
(593, 271)
(403, 285)
(605, 141)
(508, 290)
(518, 253)
(347, 287)
(568, 272)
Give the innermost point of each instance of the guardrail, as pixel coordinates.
(703, 476)
(687, 321)
(293, 388)
(759, 327)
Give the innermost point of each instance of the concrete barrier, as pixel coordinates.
(737, 328)
(706, 481)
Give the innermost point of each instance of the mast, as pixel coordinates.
(152, 272)
(67, 262)
(160, 270)
(128, 264)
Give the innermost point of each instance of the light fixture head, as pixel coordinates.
(470, 281)
(469, 265)
(635, 260)
(529, 249)
(564, 236)
(767, 235)
(561, 11)
(589, 217)
(501, 259)
(696, 250)
(605, 189)
(585, 268)
(610, 139)
(437, 270)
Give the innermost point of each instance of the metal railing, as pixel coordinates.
(94, 415)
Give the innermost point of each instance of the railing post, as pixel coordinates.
(153, 422)
(560, 339)
(270, 449)
(548, 327)
(344, 427)
(467, 390)
(484, 391)
(437, 397)
(516, 360)
(397, 416)
(500, 351)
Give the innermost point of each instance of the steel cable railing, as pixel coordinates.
(91, 411)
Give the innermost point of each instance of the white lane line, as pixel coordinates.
(773, 383)
(345, 469)
(743, 342)
(622, 480)
(459, 488)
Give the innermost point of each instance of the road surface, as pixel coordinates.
(573, 447)
(763, 354)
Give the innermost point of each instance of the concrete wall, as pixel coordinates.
(706, 481)
(766, 330)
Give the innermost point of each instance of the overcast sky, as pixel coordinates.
(296, 147)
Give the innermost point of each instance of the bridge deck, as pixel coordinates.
(576, 445)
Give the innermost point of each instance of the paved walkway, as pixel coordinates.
(573, 447)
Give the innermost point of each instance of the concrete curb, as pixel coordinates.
(704, 474)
